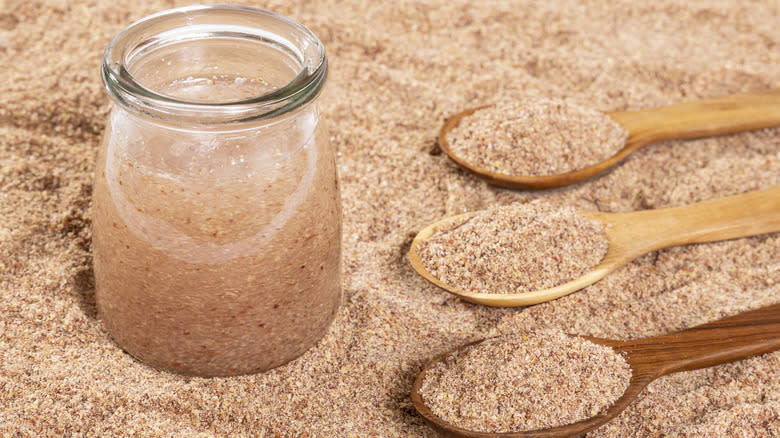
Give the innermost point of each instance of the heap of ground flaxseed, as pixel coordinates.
(390, 87)
(536, 136)
(515, 248)
(527, 382)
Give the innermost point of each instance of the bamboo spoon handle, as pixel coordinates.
(703, 118)
(636, 233)
(730, 339)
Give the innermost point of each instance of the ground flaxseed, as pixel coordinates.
(536, 136)
(515, 248)
(525, 382)
(391, 85)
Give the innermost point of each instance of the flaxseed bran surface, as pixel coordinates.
(398, 69)
(536, 136)
(515, 248)
(525, 382)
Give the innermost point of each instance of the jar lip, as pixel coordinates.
(131, 94)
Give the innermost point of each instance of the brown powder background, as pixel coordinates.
(398, 69)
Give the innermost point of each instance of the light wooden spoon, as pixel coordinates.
(703, 118)
(634, 234)
(727, 340)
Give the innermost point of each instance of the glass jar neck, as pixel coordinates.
(214, 65)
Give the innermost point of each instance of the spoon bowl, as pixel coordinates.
(727, 340)
(704, 118)
(631, 235)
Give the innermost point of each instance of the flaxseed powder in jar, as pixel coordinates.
(217, 215)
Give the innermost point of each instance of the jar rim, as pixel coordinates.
(130, 93)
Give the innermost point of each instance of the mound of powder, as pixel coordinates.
(515, 248)
(535, 137)
(392, 84)
(528, 382)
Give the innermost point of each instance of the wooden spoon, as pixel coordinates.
(634, 234)
(703, 118)
(727, 340)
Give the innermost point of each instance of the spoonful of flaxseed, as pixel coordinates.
(523, 254)
(540, 143)
(554, 385)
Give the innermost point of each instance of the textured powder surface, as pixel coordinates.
(391, 85)
(518, 383)
(515, 248)
(536, 136)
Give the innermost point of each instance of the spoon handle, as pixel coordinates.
(703, 118)
(636, 233)
(730, 339)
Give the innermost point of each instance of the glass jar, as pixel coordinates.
(216, 217)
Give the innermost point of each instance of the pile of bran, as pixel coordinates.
(398, 69)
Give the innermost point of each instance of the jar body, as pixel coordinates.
(216, 253)
(216, 245)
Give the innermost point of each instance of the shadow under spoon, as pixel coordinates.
(633, 234)
(703, 118)
(727, 340)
